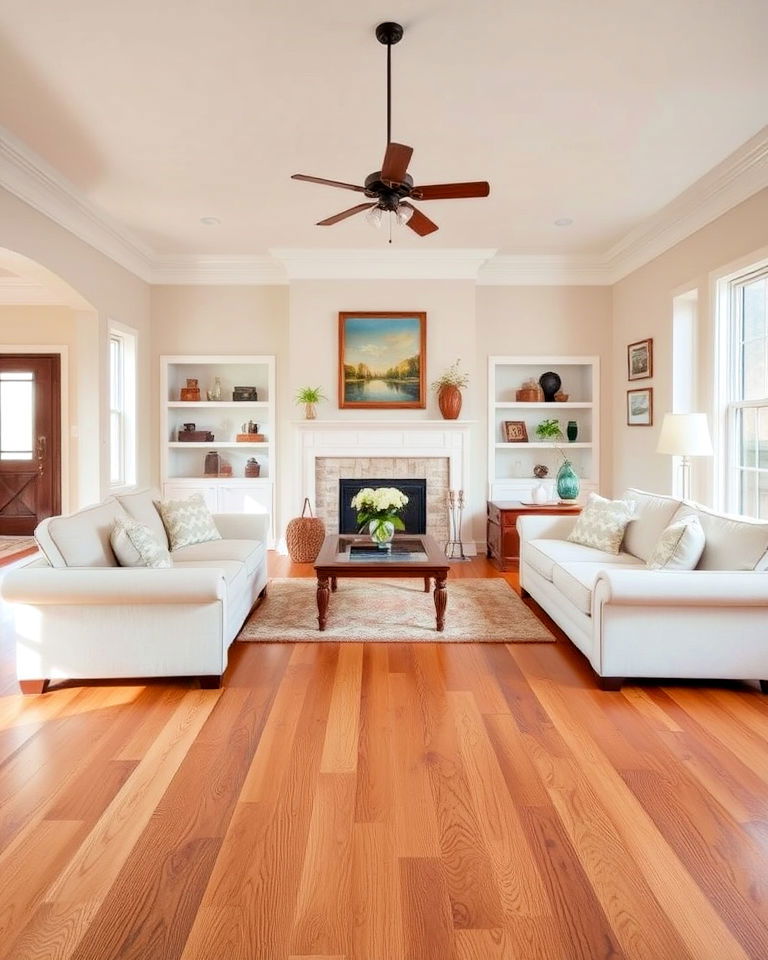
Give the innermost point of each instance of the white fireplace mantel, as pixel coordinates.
(384, 438)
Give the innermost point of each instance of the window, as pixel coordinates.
(17, 415)
(122, 406)
(745, 447)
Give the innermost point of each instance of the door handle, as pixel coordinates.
(42, 446)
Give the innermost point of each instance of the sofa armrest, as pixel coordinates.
(544, 527)
(243, 526)
(694, 588)
(112, 585)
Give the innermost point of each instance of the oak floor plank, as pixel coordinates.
(373, 801)
(426, 905)
(248, 907)
(376, 914)
(343, 731)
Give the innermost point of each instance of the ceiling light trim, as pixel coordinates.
(30, 178)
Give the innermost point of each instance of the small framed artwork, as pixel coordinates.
(640, 360)
(640, 407)
(382, 360)
(515, 431)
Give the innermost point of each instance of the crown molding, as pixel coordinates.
(28, 177)
(211, 270)
(742, 174)
(520, 270)
(387, 264)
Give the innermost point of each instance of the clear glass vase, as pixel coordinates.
(382, 532)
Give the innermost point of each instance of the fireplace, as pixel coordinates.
(414, 515)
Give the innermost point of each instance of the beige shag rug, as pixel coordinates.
(485, 611)
(14, 548)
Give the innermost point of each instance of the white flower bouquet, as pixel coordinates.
(379, 506)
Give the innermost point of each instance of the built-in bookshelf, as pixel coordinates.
(511, 465)
(183, 463)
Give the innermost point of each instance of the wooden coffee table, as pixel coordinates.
(412, 555)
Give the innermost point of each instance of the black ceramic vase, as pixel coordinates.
(550, 384)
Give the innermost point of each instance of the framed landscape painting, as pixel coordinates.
(382, 360)
(640, 407)
(640, 360)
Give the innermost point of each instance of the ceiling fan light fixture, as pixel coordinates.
(374, 217)
(403, 215)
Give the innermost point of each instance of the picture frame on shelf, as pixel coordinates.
(640, 360)
(640, 407)
(515, 431)
(382, 360)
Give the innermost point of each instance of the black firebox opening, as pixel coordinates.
(414, 515)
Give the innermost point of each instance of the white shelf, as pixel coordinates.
(224, 444)
(223, 481)
(219, 403)
(536, 405)
(532, 446)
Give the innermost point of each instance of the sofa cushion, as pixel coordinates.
(135, 545)
(82, 538)
(188, 521)
(233, 570)
(576, 581)
(602, 523)
(653, 514)
(543, 555)
(249, 552)
(141, 506)
(732, 543)
(679, 547)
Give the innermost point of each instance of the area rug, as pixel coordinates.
(14, 548)
(478, 611)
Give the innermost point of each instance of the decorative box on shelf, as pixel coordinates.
(250, 438)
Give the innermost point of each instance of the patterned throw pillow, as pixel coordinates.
(602, 523)
(135, 545)
(188, 521)
(680, 546)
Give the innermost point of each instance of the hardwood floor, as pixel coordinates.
(384, 802)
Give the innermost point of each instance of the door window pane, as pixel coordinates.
(17, 415)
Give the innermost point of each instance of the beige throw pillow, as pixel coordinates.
(188, 521)
(135, 545)
(680, 546)
(602, 523)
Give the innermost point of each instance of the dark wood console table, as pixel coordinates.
(501, 528)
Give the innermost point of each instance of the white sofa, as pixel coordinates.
(78, 615)
(631, 621)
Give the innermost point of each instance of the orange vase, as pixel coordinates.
(449, 401)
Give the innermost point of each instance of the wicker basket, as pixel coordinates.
(304, 536)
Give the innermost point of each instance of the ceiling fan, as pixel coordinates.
(391, 188)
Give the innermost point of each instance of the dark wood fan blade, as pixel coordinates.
(418, 222)
(452, 191)
(328, 183)
(396, 161)
(329, 221)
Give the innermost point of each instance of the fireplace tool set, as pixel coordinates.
(454, 549)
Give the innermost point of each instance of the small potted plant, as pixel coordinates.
(448, 388)
(310, 397)
(549, 430)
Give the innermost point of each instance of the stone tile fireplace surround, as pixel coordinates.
(435, 450)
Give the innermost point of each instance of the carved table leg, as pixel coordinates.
(323, 595)
(334, 584)
(441, 599)
(426, 584)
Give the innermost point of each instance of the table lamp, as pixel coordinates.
(685, 435)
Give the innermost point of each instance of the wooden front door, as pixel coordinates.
(30, 442)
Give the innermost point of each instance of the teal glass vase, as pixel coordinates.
(567, 482)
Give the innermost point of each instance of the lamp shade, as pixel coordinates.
(685, 435)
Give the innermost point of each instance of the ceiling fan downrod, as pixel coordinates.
(389, 34)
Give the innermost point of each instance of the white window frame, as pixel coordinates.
(728, 380)
(123, 409)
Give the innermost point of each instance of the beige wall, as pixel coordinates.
(642, 307)
(111, 293)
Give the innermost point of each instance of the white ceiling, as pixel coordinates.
(164, 111)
